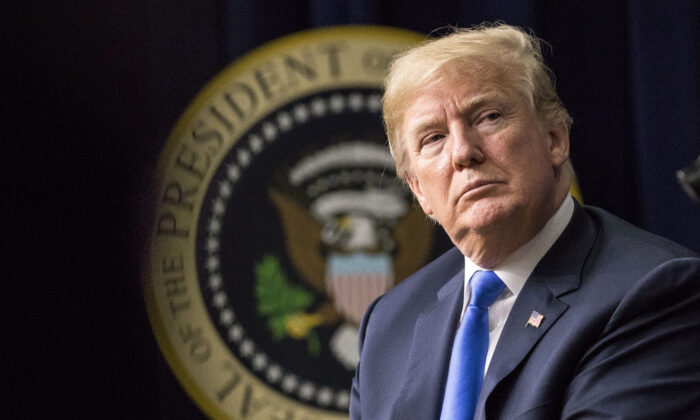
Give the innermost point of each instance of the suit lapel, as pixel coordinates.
(421, 396)
(517, 339)
(558, 273)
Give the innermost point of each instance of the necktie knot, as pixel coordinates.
(485, 286)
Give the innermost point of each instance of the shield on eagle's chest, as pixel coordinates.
(353, 281)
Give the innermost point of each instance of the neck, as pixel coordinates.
(490, 248)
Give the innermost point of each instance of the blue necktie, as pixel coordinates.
(469, 349)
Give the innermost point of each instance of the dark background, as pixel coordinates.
(91, 89)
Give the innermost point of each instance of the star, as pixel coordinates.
(225, 189)
(220, 300)
(226, 317)
(212, 263)
(337, 103)
(259, 361)
(355, 101)
(318, 107)
(284, 121)
(269, 131)
(325, 396)
(301, 113)
(247, 347)
(274, 373)
(243, 157)
(235, 333)
(212, 245)
(289, 383)
(219, 207)
(233, 172)
(256, 143)
(342, 400)
(306, 390)
(374, 103)
(214, 226)
(215, 281)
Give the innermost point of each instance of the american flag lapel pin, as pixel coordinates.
(535, 319)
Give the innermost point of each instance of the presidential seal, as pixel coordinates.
(279, 220)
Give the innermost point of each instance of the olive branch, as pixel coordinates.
(284, 305)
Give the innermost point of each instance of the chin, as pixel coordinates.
(487, 214)
(469, 227)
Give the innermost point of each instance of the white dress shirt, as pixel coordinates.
(515, 270)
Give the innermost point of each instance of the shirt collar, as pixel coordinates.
(518, 266)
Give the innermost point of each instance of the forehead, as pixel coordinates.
(459, 95)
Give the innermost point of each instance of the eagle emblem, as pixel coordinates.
(350, 230)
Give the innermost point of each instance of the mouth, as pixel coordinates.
(478, 186)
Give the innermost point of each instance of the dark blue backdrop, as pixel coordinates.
(95, 87)
(629, 72)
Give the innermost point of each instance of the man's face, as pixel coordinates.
(482, 162)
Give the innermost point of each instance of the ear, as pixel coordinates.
(559, 144)
(415, 186)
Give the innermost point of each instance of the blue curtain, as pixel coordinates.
(627, 71)
(95, 87)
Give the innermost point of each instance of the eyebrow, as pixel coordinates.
(424, 123)
(469, 105)
(466, 106)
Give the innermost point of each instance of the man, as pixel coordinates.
(596, 318)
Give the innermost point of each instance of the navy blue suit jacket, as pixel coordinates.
(620, 336)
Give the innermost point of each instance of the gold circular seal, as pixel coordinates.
(274, 187)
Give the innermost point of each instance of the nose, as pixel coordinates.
(467, 146)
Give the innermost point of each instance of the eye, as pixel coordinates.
(488, 118)
(433, 138)
(492, 116)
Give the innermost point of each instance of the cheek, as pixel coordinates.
(434, 171)
(523, 154)
(435, 184)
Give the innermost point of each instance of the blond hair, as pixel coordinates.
(488, 52)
